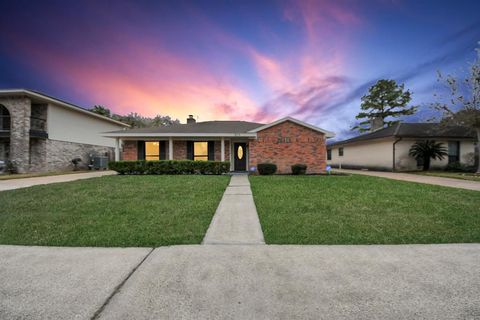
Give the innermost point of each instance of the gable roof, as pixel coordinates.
(328, 134)
(209, 129)
(205, 128)
(414, 130)
(38, 96)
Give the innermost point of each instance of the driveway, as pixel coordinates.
(28, 182)
(242, 282)
(439, 181)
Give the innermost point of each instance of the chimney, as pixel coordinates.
(191, 119)
(376, 124)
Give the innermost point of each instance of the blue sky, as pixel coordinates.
(248, 60)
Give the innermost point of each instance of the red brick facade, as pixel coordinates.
(284, 144)
(289, 143)
(129, 150)
(179, 150)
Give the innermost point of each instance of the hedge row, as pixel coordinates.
(170, 167)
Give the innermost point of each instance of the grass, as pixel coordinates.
(448, 174)
(7, 176)
(363, 210)
(114, 211)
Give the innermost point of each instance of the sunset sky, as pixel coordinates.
(240, 60)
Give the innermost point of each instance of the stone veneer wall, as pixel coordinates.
(289, 143)
(59, 154)
(38, 155)
(20, 109)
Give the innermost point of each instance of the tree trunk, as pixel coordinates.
(478, 149)
(426, 163)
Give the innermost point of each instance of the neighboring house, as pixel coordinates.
(41, 133)
(245, 144)
(387, 149)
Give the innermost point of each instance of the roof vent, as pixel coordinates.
(191, 119)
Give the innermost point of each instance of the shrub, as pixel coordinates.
(459, 167)
(266, 168)
(170, 167)
(299, 168)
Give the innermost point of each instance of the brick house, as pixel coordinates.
(42, 133)
(245, 144)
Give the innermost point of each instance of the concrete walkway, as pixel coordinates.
(28, 182)
(439, 181)
(61, 283)
(241, 282)
(236, 219)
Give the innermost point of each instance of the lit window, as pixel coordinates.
(240, 152)
(152, 150)
(200, 151)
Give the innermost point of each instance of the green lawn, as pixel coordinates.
(363, 210)
(448, 174)
(112, 211)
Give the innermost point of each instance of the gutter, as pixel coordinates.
(394, 143)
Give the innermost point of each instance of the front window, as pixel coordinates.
(329, 154)
(200, 151)
(340, 152)
(152, 150)
(453, 151)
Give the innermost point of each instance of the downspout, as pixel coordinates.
(398, 140)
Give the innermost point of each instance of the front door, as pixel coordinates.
(240, 156)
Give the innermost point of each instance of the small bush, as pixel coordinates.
(266, 168)
(299, 168)
(170, 167)
(458, 167)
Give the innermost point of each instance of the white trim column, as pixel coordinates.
(170, 149)
(222, 149)
(117, 149)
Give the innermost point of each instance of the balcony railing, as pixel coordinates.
(38, 128)
(38, 124)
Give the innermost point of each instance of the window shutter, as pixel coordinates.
(190, 150)
(211, 150)
(163, 154)
(140, 150)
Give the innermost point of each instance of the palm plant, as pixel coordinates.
(427, 150)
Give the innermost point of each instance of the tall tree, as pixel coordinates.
(385, 99)
(462, 104)
(101, 110)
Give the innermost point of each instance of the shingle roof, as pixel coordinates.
(414, 130)
(39, 96)
(233, 127)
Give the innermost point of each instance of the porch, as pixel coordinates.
(234, 150)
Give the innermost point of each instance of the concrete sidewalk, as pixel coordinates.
(439, 181)
(241, 282)
(303, 282)
(28, 182)
(61, 283)
(236, 219)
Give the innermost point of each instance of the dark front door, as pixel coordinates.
(240, 156)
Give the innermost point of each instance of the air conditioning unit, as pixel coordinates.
(100, 163)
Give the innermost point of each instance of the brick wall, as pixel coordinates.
(288, 143)
(179, 150)
(129, 151)
(218, 150)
